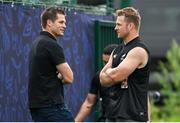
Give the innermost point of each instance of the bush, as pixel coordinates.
(169, 77)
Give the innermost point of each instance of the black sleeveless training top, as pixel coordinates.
(128, 99)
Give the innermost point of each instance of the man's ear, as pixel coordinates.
(49, 22)
(130, 26)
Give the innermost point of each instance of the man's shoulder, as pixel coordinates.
(45, 40)
(139, 44)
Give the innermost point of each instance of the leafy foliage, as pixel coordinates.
(169, 77)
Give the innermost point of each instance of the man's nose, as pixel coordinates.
(115, 28)
(64, 25)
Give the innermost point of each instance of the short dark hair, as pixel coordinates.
(50, 13)
(109, 48)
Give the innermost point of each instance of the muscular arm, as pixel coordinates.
(104, 77)
(66, 72)
(86, 107)
(136, 58)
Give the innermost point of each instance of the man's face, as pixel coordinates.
(121, 27)
(105, 58)
(57, 27)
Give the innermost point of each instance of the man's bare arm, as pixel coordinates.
(104, 77)
(66, 73)
(136, 58)
(86, 107)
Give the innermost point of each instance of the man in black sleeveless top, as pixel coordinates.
(127, 72)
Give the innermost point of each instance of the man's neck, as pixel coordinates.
(130, 37)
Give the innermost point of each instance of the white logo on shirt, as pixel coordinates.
(114, 56)
(123, 57)
(124, 84)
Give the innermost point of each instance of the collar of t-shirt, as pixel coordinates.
(135, 39)
(47, 34)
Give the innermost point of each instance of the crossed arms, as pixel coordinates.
(136, 58)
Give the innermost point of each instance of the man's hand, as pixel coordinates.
(60, 76)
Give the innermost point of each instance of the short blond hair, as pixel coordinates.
(131, 16)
